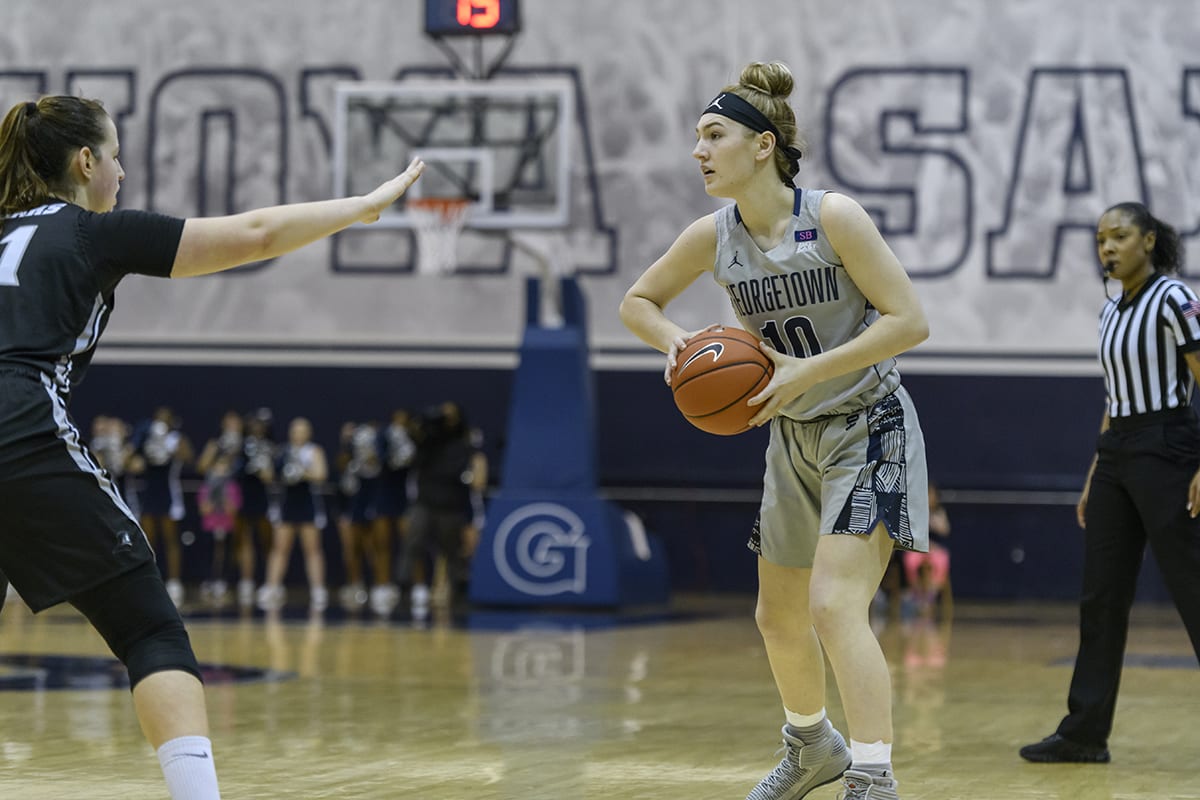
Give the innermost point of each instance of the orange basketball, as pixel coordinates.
(715, 375)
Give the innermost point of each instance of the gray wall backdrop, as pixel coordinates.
(984, 137)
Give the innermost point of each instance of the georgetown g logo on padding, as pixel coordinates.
(540, 549)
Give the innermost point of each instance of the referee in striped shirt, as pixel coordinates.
(1143, 485)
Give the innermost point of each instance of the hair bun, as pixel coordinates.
(774, 78)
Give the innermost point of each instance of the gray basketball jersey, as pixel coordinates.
(798, 298)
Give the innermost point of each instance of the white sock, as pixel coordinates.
(803, 720)
(187, 765)
(876, 754)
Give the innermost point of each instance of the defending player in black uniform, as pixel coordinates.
(66, 534)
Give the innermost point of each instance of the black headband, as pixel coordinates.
(740, 110)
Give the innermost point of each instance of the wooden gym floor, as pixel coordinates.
(676, 706)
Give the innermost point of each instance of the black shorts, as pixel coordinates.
(64, 527)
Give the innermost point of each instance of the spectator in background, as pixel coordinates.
(448, 467)
(397, 450)
(929, 573)
(450, 579)
(227, 447)
(255, 475)
(161, 451)
(360, 466)
(219, 500)
(301, 469)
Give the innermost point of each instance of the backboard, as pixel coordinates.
(504, 145)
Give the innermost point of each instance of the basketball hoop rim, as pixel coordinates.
(447, 208)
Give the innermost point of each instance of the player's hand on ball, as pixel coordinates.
(793, 377)
(680, 342)
(388, 192)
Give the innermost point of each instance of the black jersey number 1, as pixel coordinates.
(13, 251)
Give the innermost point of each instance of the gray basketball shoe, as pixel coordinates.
(804, 766)
(865, 786)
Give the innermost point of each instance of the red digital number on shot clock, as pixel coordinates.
(478, 13)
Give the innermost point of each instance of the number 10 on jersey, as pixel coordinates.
(801, 337)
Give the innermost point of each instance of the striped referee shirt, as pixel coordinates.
(1142, 345)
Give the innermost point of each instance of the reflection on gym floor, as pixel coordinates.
(668, 704)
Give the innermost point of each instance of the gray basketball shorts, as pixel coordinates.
(843, 474)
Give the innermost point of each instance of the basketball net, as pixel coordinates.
(439, 221)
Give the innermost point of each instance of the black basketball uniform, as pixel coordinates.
(64, 527)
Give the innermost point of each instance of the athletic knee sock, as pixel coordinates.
(187, 765)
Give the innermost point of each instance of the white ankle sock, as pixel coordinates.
(803, 720)
(187, 765)
(877, 754)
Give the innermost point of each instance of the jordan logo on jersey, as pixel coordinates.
(735, 262)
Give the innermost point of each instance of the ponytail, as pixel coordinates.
(37, 141)
(21, 187)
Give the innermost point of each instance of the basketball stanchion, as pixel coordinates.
(438, 223)
(550, 537)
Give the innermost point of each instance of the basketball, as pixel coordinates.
(715, 375)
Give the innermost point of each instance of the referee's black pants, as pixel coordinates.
(1138, 494)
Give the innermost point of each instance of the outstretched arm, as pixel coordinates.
(213, 244)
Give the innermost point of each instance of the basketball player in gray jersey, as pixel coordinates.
(845, 481)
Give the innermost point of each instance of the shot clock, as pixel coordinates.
(459, 17)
